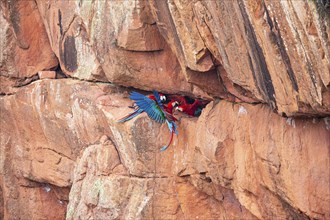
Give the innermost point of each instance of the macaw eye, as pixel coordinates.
(175, 104)
(162, 98)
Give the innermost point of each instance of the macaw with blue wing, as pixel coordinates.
(139, 111)
(153, 106)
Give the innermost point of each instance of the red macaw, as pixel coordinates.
(194, 109)
(189, 106)
(169, 107)
(178, 98)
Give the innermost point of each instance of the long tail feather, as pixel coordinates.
(169, 143)
(130, 116)
(172, 126)
(173, 129)
(170, 117)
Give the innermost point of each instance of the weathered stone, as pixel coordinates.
(7, 85)
(236, 161)
(259, 46)
(44, 150)
(140, 32)
(121, 173)
(47, 74)
(25, 48)
(120, 43)
(276, 160)
(251, 49)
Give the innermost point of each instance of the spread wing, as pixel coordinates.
(167, 115)
(157, 97)
(153, 110)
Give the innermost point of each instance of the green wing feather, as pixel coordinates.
(149, 106)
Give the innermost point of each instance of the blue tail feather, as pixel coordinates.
(172, 126)
(169, 143)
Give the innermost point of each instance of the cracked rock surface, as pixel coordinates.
(117, 170)
(259, 150)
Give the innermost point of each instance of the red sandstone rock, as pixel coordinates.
(25, 48)
(278, 161)
(267, 48)
(236, 161)
(47, 74)
(7, 85)
(119, 44)
(262, 57)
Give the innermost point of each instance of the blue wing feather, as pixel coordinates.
(149, 106)
(130, 116)
(136, 96)
(157, 96)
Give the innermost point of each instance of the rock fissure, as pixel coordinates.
(53, 150)
(259, 64)
(60, 21)
(282, 49)
(149, 177)
(292, 211)
(26, 81)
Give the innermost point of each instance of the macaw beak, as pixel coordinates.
(179, 109)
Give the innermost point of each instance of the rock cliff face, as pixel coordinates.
(259, 150)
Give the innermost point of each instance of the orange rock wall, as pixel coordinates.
(259, 150)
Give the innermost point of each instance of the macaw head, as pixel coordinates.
(179, 108)
(162, 97)
(175, 104)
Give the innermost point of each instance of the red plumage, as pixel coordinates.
(192, 109)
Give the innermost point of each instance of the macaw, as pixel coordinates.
(194, 109)
(169, 107)
(189, 106)
(153, 106)
(178, 98)
(138, 111)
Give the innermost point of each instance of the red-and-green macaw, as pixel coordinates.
(170, 107)
(189, 106)
(194, 109)
(139, 111)
(154, 107)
